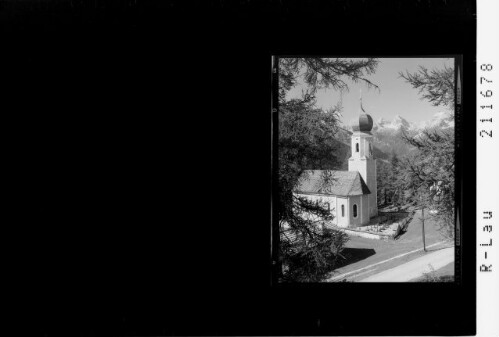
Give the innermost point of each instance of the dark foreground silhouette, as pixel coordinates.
(352, 255)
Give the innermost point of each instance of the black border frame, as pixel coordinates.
(463, 286)
(100, 257)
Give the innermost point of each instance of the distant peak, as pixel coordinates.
(442, 114)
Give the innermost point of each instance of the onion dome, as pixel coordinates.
(364, 122)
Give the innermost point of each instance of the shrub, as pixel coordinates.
(312, 262)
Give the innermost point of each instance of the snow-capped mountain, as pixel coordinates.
(387, 134)
(442, 120)
(396, 124)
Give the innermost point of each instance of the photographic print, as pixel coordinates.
(366, 172)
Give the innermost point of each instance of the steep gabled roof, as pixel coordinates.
(330, 182)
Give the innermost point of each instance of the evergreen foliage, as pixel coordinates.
(308, 249)
(388, 181)
(319, 73)
(428, 173)
(435, 86)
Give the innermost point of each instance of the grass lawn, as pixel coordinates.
(362, 252)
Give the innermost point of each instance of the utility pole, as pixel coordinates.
(422, 220)
(422, 200)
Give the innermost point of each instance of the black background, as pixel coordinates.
(140, 134)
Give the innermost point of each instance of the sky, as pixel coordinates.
(396, 97)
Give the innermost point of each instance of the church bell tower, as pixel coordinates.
(362, 159)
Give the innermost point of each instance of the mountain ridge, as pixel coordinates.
(387, 134)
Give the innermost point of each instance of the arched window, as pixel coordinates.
(342, 210)
(354, 210)
(356, 147)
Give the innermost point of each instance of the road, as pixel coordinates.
(366, 257)
(415, 268)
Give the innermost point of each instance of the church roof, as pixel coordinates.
(341, 183)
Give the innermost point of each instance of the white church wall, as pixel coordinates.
(333, 207)
(365, 209)
(372, 185)
(374, 191)
(343, 217)
(358, 165)
(358, 138)
(354, 220)
(322, 199)
(365, 164)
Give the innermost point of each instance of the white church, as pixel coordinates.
(349, 195)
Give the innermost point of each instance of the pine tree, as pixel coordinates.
(306, 141)
(383, 181)
(435, 86)
(431, 168)
(394, 178)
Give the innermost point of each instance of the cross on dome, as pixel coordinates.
(361, 107)
(364, 122)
